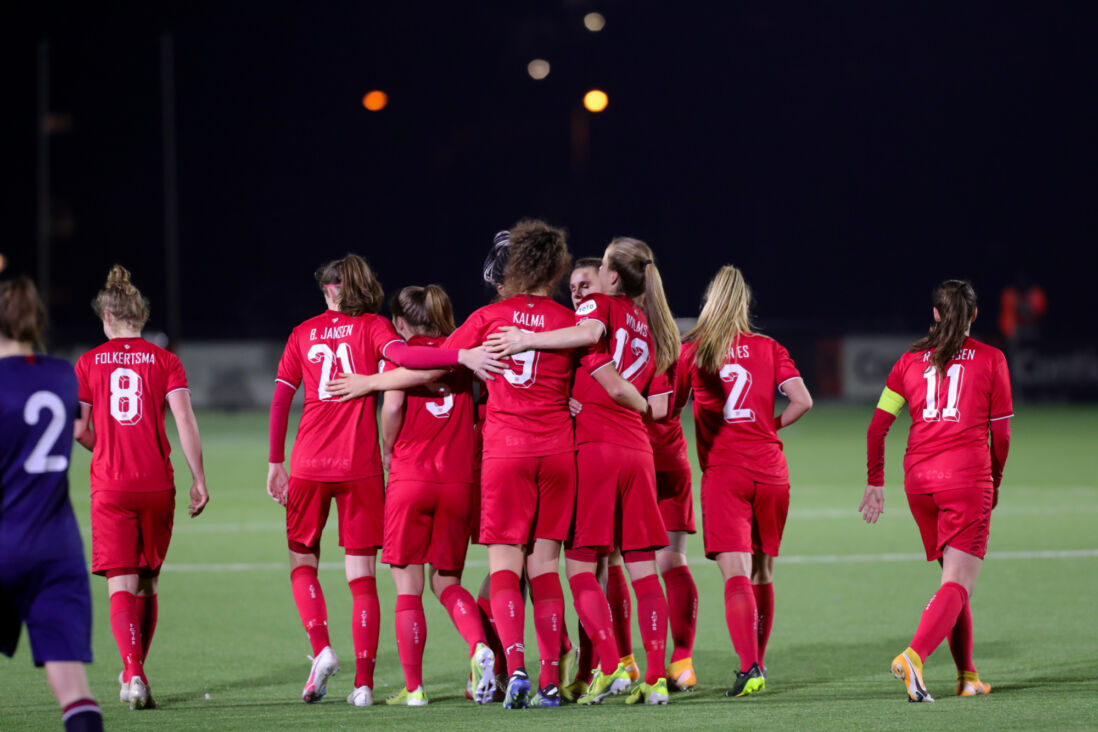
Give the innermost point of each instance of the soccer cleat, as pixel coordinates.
(569, 665)
(405, 698)
(908, 667)
(748, 682)
(649, 693)
(518, 690)
(630, 664)
(547, 697)
(969, 684)
(324, 666)
(574, 691)
(124, 691)
(603, 686)
(140, 698)
(482, 665)
(680, 675)
(362, 696)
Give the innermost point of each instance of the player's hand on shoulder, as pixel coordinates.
(481, 362)
(278, 483)
(506, 341)
(872, 505)
(199, 498)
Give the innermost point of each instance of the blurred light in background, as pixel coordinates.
(375, 101)
(595, 100)
(594, 22)
(538, 69)
(3, 262)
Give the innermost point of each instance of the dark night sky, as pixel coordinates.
(847, 157)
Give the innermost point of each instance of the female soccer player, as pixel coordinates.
(528, 470)
(745, 482)
(43, 579)
(336, 457)
(958, 390)
(125, 386)
(631, 327)
(427, 446)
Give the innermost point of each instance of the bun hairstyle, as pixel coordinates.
(427, 310)
(956, 304)
(22, 314)
(122, 299)
(640, 280)
(725, 316)
(497, 258)
(357, 289)
(538, 257)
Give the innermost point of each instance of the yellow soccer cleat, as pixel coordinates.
(405, 698)
(680, 675)
(969, 684)
(574, 691)
(748, 682)
(569, 665)
(603, 686)
(649, 693)
(630, 664)
(908, 667)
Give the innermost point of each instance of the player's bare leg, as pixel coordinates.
(682, 610)
(126, 628)
(69, 681)
(506, 562)
(741, 615)
(762, 583)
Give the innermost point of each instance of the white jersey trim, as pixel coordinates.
(601, 324)
(283, 381)
(182, 388)
(86, 404)
(611, 362)
(386, 346)
(671, 391)
(791, 378)
(996, 419)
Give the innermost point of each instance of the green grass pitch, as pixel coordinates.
(848, 599)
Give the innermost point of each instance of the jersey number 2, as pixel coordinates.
(40, 461)
(741, 384)
(955, 375)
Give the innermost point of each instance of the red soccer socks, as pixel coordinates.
(764, 603)
(652, 617)
(939, 618)
(126, 627)
(682, 610)
(147, 611)
(741, 616)
(621, 609)
(510, 617)
(365, 628)
(411, 637)
(548, 597)
(465, 615)
(309, 599)
(594, 613)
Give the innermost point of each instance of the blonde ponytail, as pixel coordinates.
(725, 316)
(640, 279)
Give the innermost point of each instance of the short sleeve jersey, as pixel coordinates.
(37, 410)
(668, 441)
(626, 345)
(528, 404)
(336, 441)
(435, 444)
(947, 446)
(126, 382)
(734, 408)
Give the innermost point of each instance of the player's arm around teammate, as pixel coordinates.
(958, 392)
(125, 386)
(43, 578)
(734, 374)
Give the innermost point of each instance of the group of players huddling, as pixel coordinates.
(527, 428)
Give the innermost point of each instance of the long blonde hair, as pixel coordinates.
(640, 279)
(725, 316)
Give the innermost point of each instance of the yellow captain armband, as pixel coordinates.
(891, 402)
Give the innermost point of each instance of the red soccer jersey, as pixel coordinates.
(126, 381)
(947, 446)
(668, 441)
(626, 343)
(435, 444)
(734, 408)
(528, 404)
(336, 441)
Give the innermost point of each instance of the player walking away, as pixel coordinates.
(528, 471)
(427, 447)
(336, 456)
(43, 578)
(734, 373)
(126, 384)
(958, 390)
(631, 327)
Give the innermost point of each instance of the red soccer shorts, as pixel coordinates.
(676, 500)
(960, 518)
(427, 523)
(616, 500)
(739, 514)
(131, 531)
(527, 498)
(361, 506)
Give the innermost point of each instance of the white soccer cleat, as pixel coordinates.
(362, 696)
(124, 690)
(483, 669)
(325, 665)
(140, 698)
